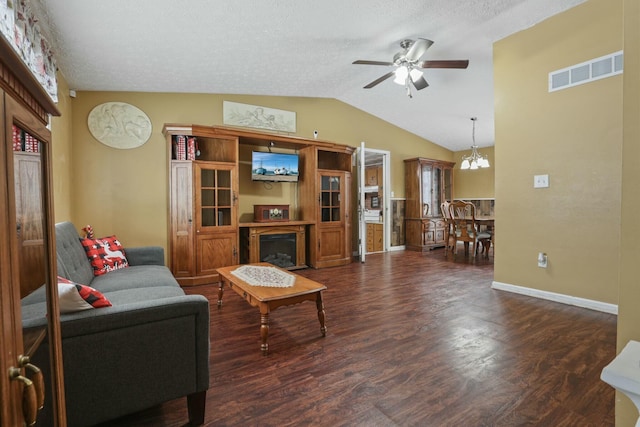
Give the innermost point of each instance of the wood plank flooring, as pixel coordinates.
(413, 340)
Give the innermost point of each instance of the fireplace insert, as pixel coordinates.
(278, 249)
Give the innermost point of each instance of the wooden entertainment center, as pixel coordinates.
(205, 231)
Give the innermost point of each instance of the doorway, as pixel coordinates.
(374, 198)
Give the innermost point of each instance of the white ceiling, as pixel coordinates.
(296, 48)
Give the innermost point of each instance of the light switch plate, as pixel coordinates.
(540, 181)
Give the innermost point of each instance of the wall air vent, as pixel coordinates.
(595, 69)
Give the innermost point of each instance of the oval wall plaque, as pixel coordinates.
(119, 125)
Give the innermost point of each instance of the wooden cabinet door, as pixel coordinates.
(428, 232)
(378, 237)
(440, 226)
(10, 324)
(27, 261)
(215, 250)
(181, 219)
(333, 244)
(330, 245)
(371, 176)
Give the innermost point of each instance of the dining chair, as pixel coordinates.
(448, 231)
(465, 228)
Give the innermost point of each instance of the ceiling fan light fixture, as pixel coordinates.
(401, 75)
(474, 160)
(415, 74)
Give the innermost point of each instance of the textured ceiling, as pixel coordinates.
(296, 48)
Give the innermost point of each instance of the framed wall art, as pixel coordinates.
(255, 116)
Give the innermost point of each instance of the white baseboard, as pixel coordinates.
(552, 296)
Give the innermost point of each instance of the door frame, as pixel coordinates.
(361, 162)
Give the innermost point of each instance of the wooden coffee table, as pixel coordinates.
(270, 298)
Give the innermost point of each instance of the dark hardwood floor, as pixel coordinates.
(413, 340)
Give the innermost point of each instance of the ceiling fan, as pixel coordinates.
(407, 63)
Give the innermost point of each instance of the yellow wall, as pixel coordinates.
(62, 170)
(575, 136)
(628, 312)
(474, 184)
(124, 191)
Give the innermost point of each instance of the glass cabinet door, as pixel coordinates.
(436, 192)
(330, 198)
(427, 178)
(215, 206)
(448, 184)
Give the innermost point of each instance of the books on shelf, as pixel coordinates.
(191, 148)
(184, 147)
(24, 141)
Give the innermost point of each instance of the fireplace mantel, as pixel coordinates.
(273, 224)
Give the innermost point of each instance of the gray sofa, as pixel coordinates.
(150, 346)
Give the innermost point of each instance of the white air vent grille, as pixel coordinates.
(595, 69)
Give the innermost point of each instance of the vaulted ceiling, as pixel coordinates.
(296, 48)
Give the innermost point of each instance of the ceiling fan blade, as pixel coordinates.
(452, 63)
(364, 62)
(380, 80)
(417, 49)
(420, 83)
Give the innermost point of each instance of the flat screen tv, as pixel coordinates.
(266, 166)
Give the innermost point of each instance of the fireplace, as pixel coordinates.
(278, 249)
(278, 244)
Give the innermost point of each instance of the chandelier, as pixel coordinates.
(475, 160)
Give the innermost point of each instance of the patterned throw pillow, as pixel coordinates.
(106, 254)
(75, 297)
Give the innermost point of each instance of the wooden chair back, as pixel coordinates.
(448, 236)
(463, 221)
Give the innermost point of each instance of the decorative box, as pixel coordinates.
(270, 213)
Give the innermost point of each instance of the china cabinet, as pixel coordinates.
(27, 246)
(428, 183)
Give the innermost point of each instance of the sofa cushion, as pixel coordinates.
(138, 276)
(72, 258)
(145, 295)
(105, 254)
(76, 297)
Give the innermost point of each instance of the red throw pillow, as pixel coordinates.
(75, 297)
(106, 254)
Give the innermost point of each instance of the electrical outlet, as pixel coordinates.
(542, 260)
(540, 181)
